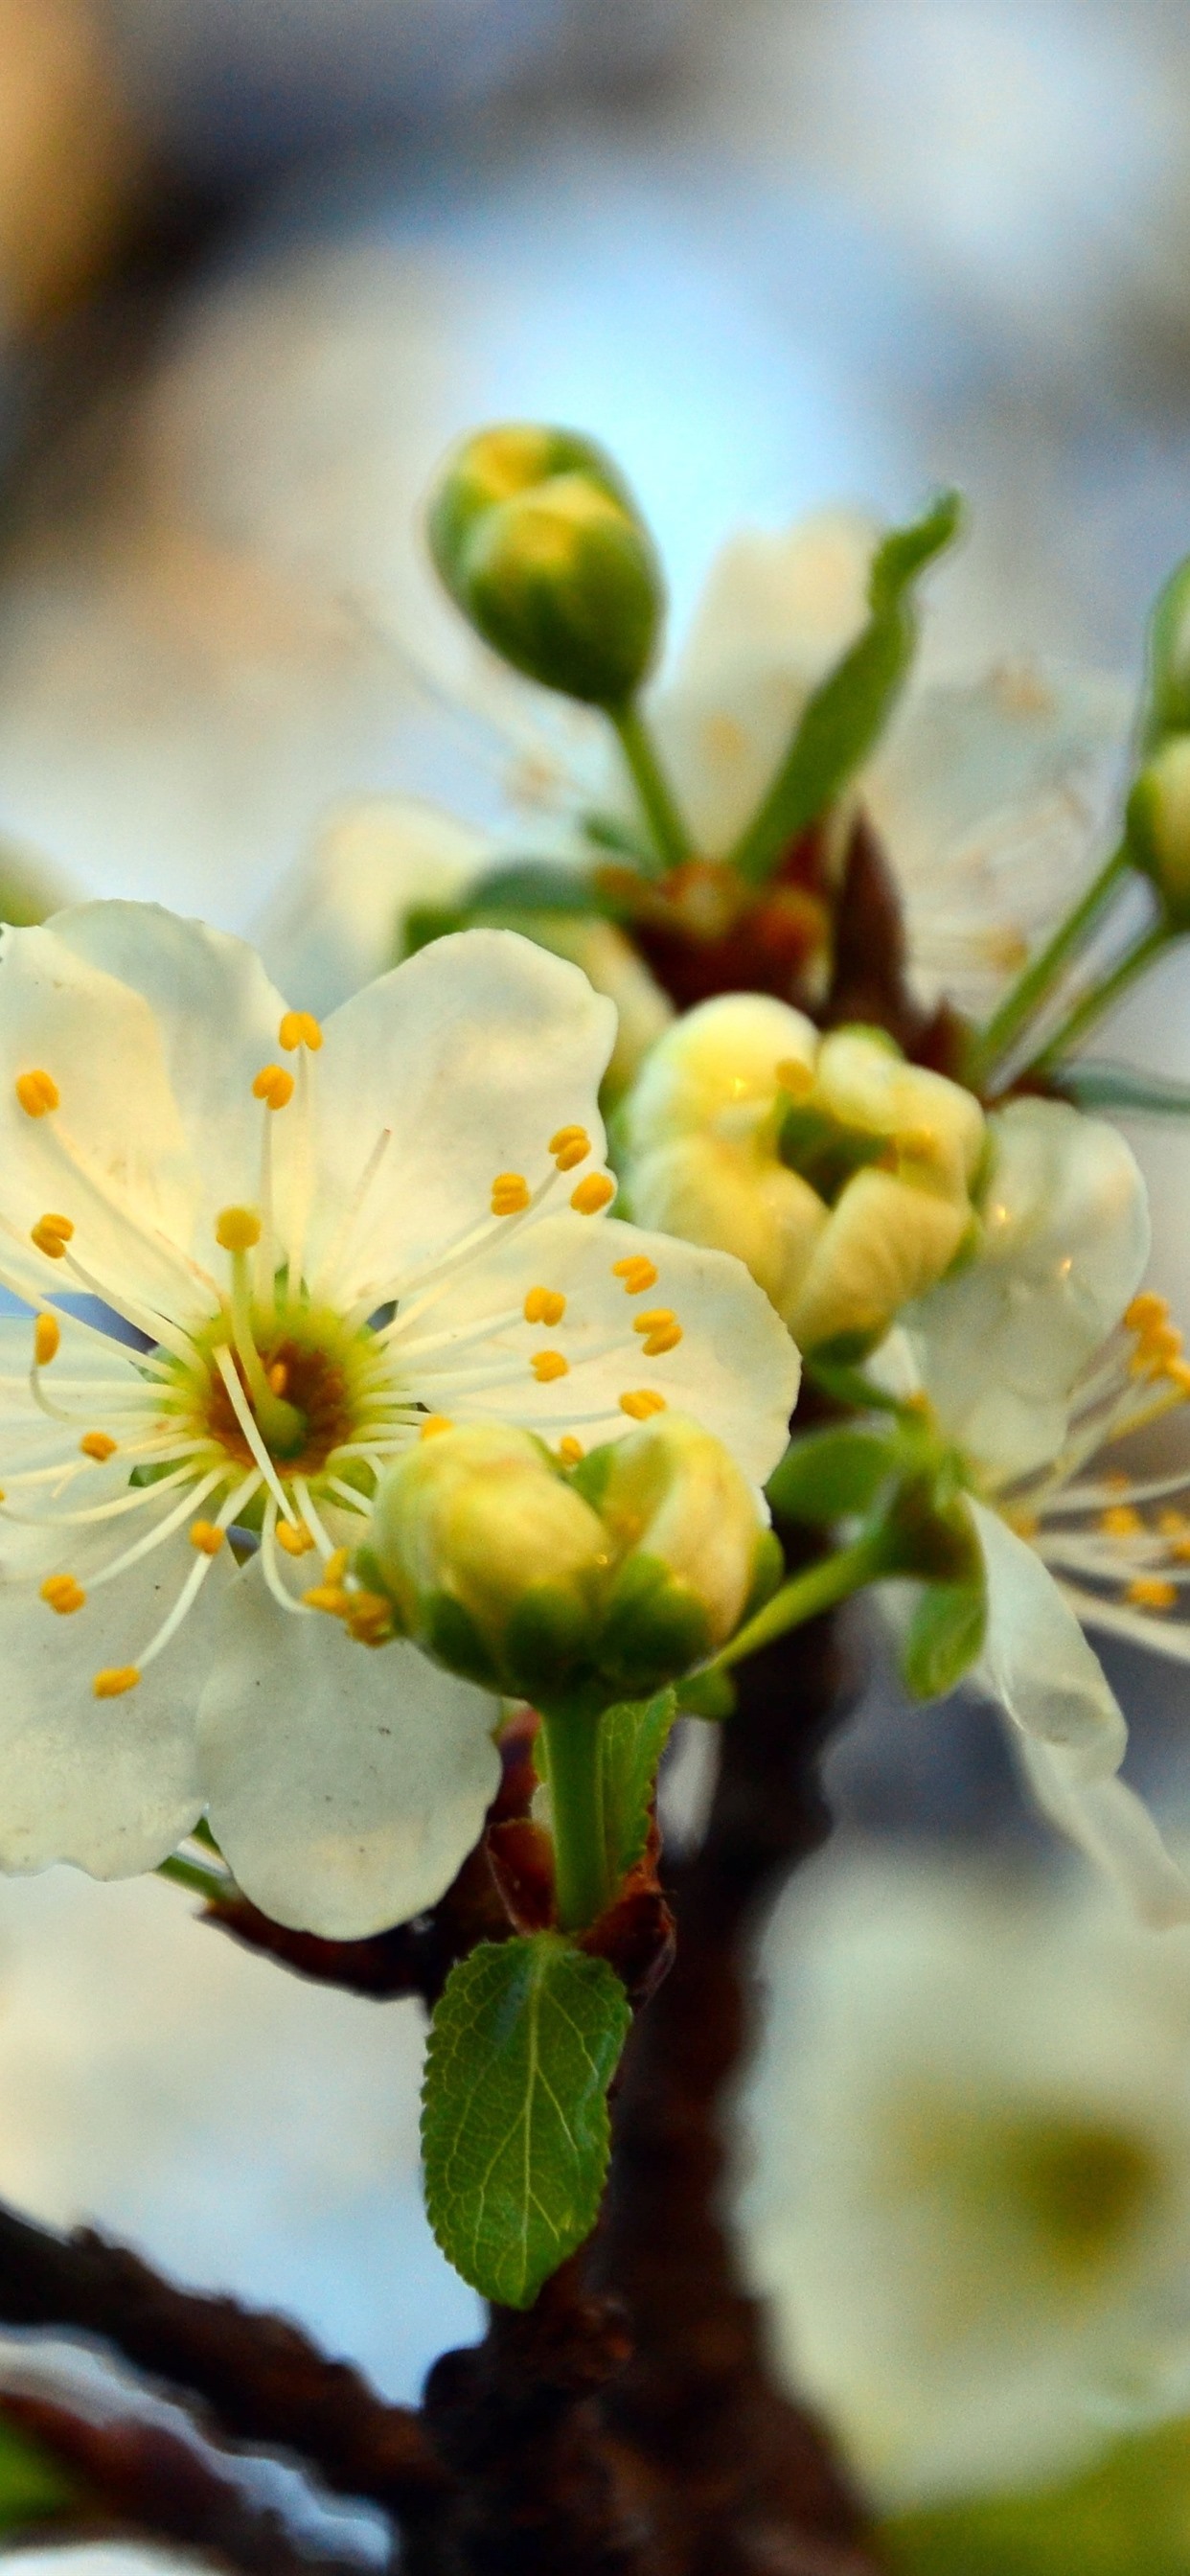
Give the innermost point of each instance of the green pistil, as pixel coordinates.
(282, 1426)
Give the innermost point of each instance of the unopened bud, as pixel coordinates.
(539, 543)
(492, 1562)
(1159, 827)
(1167, 705)
(688, 1535)
(841, 1174)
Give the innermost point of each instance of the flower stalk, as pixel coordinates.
(667, 830)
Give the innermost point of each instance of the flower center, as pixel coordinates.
(304, 1393)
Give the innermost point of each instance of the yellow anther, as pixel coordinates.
(544, 1306)
(571, 1145)
(206, 1537)
(370, 1618)
(63, 1594)
(274, 1085)
(593, 1193)
(336, 1565)
(510, 1193)
(114, 1680)
(299, 1028)
(1178, 1373)
(330, 1597)
(1121, 1521)
(294, 1537)
(1145, 1311)
(1179, 1549)
(795, 1078)
(1172, 1524)
(237, 1229)
(47, 1340)
(51, 1234)
(653, 1319)
(1026, 1524)
(637, 1274)
(37, 1092)
(570, 1450)
(548, 1364)
(666, 1338)
(640, 1402)
(433, 1424)
(278, 1377)
(1151, 1592)
(98, 1445)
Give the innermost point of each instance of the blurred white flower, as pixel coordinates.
(1032, 1374)
(969, 2195)
(319, 1251)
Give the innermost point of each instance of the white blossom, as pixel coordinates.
(309, 1245)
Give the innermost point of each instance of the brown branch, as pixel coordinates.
(264, 2381)
(140, 2479)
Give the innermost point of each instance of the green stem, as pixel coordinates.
(671, 839)
(1099, 999)
(1024, 998)
(820, 1587)
(211, 1883)
(576, 1801)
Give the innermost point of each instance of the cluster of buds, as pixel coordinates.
(841, 1174)
(539, 542)
(538, 1578)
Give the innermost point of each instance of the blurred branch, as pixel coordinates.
(263, 2379)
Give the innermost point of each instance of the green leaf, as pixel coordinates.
(32, 2486)
(944, 1636)
(848, 711)
(632, 1738)
(1116, 1086)
(1128, 2515)
(525, 2041)
(826, 1475)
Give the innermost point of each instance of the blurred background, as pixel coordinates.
(260, 260)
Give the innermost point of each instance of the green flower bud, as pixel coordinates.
(1167, 707)
(492, 1562)
(539, 543)
(1159, 827)
(688, 1543)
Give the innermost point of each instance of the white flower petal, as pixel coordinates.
(735, 1370)
(1114, 1827)
(993, 798)
(338, 919)
(346, 1784)
(112, 1784)
(1065, 1241)
(472, 1054)
(1036, 1663)
(218, 1016)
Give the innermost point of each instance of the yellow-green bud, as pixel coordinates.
(1167, 706)
(839, 1173)
(1159, 826)
(611, 1577)
(540, 544)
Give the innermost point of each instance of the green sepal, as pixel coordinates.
(548, 1632)
(944, 1636)
(826, 1153)
(426, 922)
(33, 2488)
(828, 1476)
(632, 1739)
(531, 885)
(928, 1529)
(768, 1572)
(525, 2040)
(653, 1628)
(710, 1695)
(848, 711)
(1116, 1086)
(449, 1634)
(1126, 2515)
(1167, 694)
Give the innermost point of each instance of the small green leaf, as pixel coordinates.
(826, 1475)
(848, 711)
(943, 1638)
(525, 2041)
(33, 2488)
(1116, 1086)
(632, 1738)
(1128, 2515)
(532, 885)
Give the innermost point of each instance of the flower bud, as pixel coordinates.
(539, 543)
(492, 1562)
(1159, 827)
(1167, 708)
(839, 1173)
(687, 1537)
